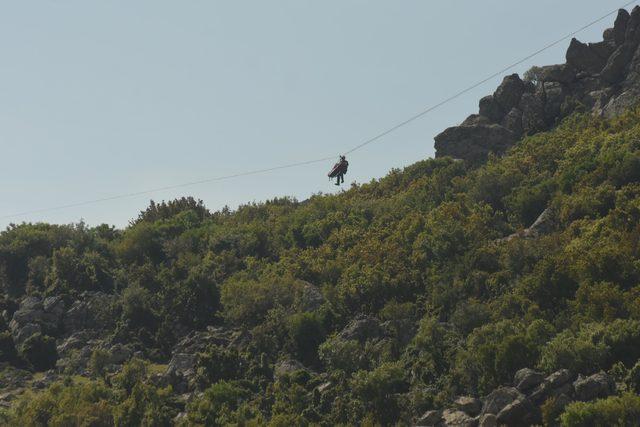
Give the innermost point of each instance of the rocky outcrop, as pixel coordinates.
(544, 224)
(181, 370)
(475, 141)
(361, 328)
(288, 366)
(520, 405)
(498, 399)
(468, 405)
(602, 77)
(596, 386)
(526, 379)
(311, 298)
(36, 316)
(90, 311)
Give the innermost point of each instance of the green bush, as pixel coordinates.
(378, 390)
(98, 361)
(345, 355)
(576, 353)
(132, 373)
(215, 406)
(8, 352)
(75, 404)
(306, 332)
(614, 411)
(146, 405)
(219, 363)
(39, 351)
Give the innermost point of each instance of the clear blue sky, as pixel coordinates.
(100, 98)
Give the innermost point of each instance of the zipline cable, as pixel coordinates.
(357, 147)
(170, 187)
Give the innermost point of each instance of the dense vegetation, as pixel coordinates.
(421, 250)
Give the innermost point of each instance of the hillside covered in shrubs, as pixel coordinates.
(376, 305)
(498, 284)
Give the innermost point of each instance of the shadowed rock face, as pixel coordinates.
(475, 141)
(602, 77)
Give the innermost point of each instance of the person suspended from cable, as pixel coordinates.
(339, 169)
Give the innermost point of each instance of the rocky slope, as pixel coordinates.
(520, 404)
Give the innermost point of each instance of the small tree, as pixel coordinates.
(39, 351)
(98, 361)
(8, 351)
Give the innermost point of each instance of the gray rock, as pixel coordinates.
(520, 412)
(632, 33)
(513, 121)
(490, 109)
(532, 107)
(596, 386)
(615, 69)
(488, 420)
(603, 49)
(474, 143)
(430, 418)
(54, 305)
(554, 95)
(476, 119)
(555, 384)
(28, 312)
(362, 328)
(621, 103)
(495, 401)
(30, 304)
(561, 73)
(285, 367)
(544, 224)
(198, 341)
(582, 57)
(119, 354)
(34, 315)
(311, 298)
(76, 341)
(20, 335)
(609, 35)
(526, 379)
(620, 27)
(558, 378)
(452, 417)
(181, 363)
(182, 417)
(91, 311)
(180, 372)
(509, 92)
(468, 405)
(324, 387)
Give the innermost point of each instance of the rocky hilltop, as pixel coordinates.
(602, 77)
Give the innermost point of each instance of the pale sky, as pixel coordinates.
(101, 98)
